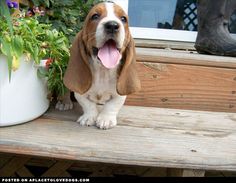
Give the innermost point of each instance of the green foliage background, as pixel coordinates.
(65, 15)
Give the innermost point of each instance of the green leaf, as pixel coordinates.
(47, 3)
(74, 12)
(60, 40)
(49, 35)
(6, 47)
(4, 12)
(29, 48)
(36, 2)
(36, 55)
(17, 46)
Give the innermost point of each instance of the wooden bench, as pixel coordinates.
(199, 136)
(145, 136)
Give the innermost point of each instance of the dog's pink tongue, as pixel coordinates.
(109, 55)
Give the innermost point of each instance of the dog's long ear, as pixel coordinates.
(78, 76)
(128, 81)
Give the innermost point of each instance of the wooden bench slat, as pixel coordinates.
(145, 136)
(185, 87)
(184, 57)
(162, 44)
(151, 117)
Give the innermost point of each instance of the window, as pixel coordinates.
(166, 20)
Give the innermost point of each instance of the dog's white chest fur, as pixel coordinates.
(103, 91)
(104, 83)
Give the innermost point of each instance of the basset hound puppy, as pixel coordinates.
(101, 69)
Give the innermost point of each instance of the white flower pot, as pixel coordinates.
(24, 98)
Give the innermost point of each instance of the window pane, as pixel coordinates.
(168, 14)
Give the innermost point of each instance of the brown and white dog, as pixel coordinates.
(101, 69)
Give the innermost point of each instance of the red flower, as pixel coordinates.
(48, 62)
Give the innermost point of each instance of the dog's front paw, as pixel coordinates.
(106, 121)
(87, 119)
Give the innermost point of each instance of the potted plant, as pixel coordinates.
(33, 57)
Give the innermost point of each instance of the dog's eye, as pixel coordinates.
(95, 16)
(123, 19)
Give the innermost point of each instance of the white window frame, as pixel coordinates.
(157, 33)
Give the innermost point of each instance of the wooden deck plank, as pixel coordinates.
(145, 136)
(184, 57)
(185, 87)
(162, 44)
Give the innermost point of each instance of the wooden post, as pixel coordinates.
(13, 165)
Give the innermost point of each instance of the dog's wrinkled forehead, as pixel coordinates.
(107, 9)
(103, 12)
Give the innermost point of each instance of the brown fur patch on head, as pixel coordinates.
(119, 12)
(90, 25)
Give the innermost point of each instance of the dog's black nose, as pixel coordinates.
(112, 27)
